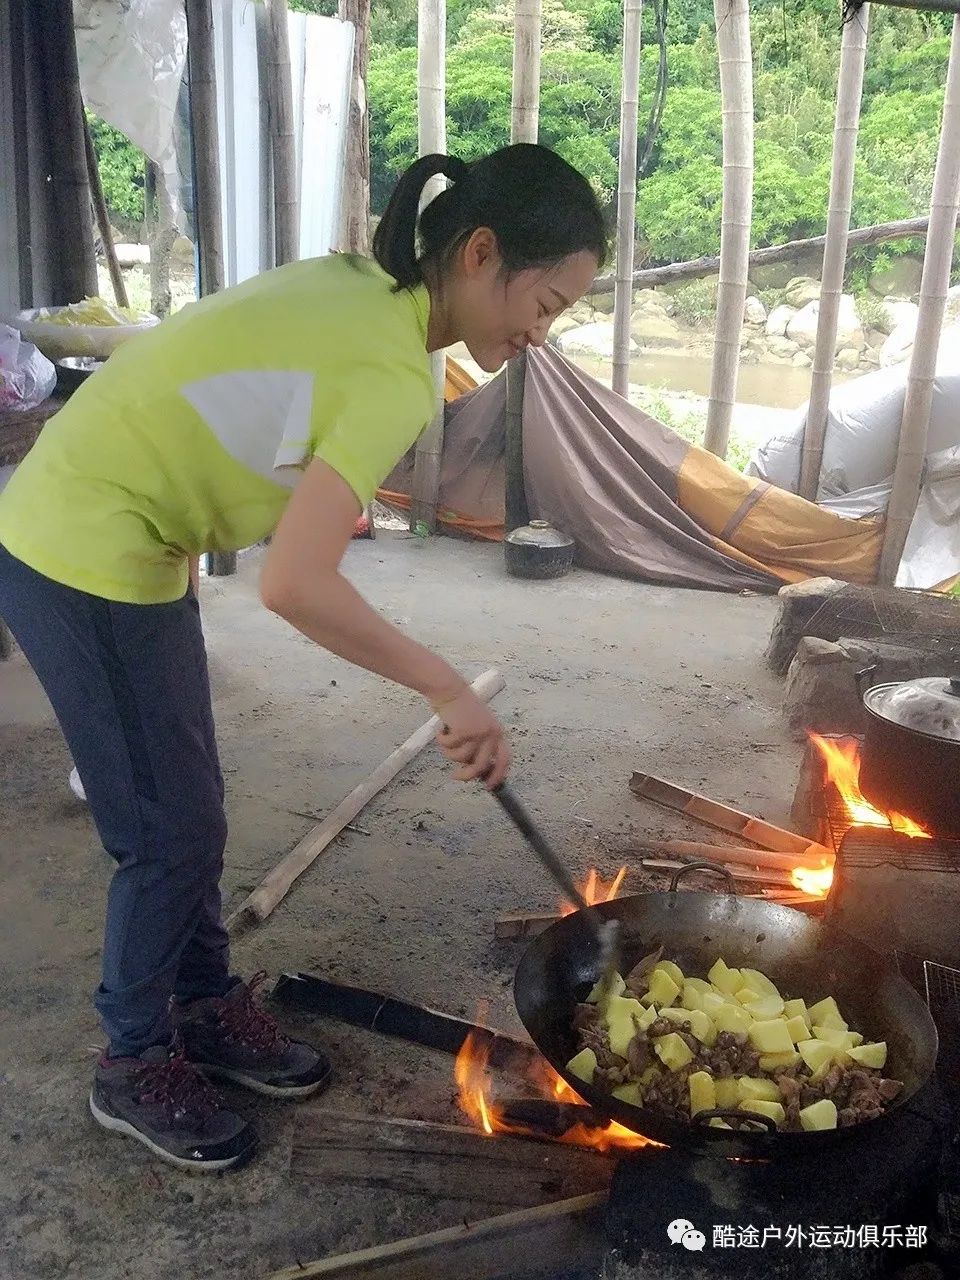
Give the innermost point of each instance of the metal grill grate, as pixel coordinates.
(942, 985)
(916, 619)
(943, 999)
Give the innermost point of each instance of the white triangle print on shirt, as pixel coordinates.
(260, 416)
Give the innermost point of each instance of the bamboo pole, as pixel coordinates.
(283, 143)
(669, 273)
(76, 276)
(524, 127)
(432, 137)
(736, 92)
(626, 194)
(201, 65)
(525, 115)
(549, 1238)
(853, 52)
(355, 225)
(516, 512)
(911, 455)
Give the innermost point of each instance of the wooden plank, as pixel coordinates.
(521, 924)
(734, 853)
(443, 1161)
(724, 817)
(278, 882)
(514, 1246)
(746, 875)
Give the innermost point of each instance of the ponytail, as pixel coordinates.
(539, 207)
(395, 240)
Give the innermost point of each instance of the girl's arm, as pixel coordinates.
(301, 581)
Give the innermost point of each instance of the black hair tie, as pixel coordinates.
(455, 169)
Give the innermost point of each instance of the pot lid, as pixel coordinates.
(930, 705)
(539, 533)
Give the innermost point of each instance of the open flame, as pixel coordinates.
(841, 759)
(596, 890)
(813, 880)
(475, 1088)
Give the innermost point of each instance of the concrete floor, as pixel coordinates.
(603, 677)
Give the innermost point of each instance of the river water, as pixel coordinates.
(776, 386)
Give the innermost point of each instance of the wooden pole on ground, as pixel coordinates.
(103, 217)
(736, 92)
(911, 455)
(283, 143)
(548, 1239)
(627, 195)
(722, 816)
(853, 53)
(278, 882)
(201, 65)
(76, 276)
(524, 127)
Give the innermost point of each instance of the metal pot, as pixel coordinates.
(538, 550)
(911, 751)
(802, 955)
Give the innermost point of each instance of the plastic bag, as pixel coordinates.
(26, 376)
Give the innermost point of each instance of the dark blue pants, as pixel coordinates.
(130, 688)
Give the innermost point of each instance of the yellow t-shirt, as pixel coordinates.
(192, 436)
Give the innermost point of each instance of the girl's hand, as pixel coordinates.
(473, 738)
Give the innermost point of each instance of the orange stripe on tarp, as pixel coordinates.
(491, 530)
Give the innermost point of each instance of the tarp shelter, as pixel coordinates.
(860, 454)
(637, 498)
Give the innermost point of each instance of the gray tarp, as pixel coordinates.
(595, 466)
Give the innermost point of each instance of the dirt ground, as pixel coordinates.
(603, 677)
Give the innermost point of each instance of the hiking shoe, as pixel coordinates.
(164, 1102)
(232, 1037)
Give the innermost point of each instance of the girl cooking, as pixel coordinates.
(275, 407)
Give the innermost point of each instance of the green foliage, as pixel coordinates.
(796, 46)
(121, 169)
(870, 310)
(796, 56)
(694, 302)
(689, 423)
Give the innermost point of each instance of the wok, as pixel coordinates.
(802, 956)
